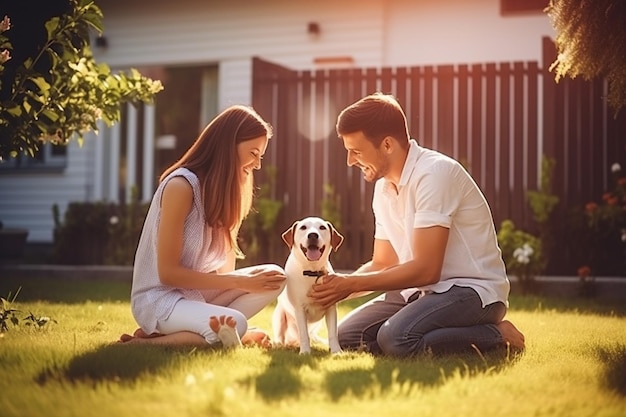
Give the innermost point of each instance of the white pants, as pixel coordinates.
(193, 316)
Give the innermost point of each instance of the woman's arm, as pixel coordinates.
(176, 203)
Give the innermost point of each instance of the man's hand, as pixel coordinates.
(329, 290)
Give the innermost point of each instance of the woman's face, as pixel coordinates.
(250, 153)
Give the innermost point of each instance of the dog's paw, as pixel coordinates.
(334, 346)
(304, 350)
(225, 329)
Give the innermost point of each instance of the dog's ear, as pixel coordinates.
(288, 234)
(336, 238)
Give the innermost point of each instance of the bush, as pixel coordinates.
(522, 254)
(258, 238)
(98, 233)
(599, 230)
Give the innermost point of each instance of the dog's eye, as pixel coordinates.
(302, 227)
(322, 227)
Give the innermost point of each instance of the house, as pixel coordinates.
(203, 52)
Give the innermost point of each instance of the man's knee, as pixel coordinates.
(349, 339)
(392, 343)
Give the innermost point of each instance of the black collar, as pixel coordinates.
(316, 274)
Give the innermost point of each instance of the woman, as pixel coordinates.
(185, 287)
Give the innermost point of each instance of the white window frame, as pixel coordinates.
(24, 163)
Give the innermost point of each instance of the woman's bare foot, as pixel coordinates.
(512, 337)
(256, 337)
(225, 328)
(138, 334)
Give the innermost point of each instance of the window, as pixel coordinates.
(49, 157)
(511, 7)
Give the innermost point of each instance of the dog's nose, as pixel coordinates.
(312, 236)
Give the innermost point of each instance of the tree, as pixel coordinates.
(591, 42)
(51, 88)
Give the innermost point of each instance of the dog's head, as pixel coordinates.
(312, 237)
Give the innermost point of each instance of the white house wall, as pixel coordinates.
(26, 198)
(427, 32)
(229, 33)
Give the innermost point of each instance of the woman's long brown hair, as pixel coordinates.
(213, 158)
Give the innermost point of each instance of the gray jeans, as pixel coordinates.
(449, 322)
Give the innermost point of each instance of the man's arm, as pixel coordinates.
(384, 256)
(429, 247)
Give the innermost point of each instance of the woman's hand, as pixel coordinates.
(329, 290)
(262, 279)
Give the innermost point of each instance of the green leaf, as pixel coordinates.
(41, 83)
(51, 27)
(14, 111)
(41, 126)
(94, 20)
(52, 116)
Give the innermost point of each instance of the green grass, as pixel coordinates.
(574, 365)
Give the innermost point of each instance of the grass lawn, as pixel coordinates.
(574, 365)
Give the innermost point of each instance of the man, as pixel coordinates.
(436, 255)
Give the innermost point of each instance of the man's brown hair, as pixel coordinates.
(377, 116)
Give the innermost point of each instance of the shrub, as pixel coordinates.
(525, 254)
(522, 254)
(330, 206)
(542, 203)
(98, 233)
(258, 237)
(8, 314)
(600, 230)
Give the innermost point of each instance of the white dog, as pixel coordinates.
(310, 241)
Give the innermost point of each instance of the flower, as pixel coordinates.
(587, 282)
(4, 56)
(5, 24)
(522, 255)
(584, 272)
(616, 168)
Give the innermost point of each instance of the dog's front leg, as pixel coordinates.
(303, 330)
(331, 327)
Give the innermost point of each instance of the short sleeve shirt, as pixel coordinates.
(435, 190)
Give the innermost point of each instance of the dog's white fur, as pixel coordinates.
(295, 314)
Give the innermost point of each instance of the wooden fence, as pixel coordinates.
(498, 119)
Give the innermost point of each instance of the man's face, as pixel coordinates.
(362, 153)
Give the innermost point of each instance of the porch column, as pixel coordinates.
(131, 150)
(148, 152)
(114, 163)
(98, 186)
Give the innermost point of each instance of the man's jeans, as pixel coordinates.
(449, 322)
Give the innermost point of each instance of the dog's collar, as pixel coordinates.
(316, 274)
